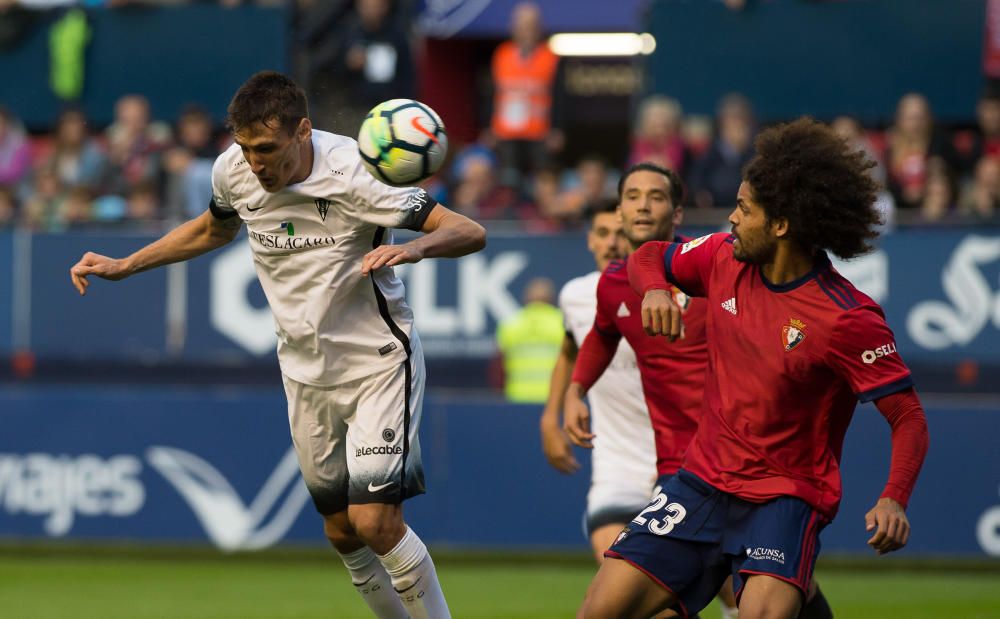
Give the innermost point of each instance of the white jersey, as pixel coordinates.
(624, 450)
(308, 241)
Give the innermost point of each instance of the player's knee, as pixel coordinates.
(768, 609)
(594, 607)
(340, 533)
(380, 530)
(598, 604)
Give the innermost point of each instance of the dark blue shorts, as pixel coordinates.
(691, 536)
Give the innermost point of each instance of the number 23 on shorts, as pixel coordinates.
(673, 514)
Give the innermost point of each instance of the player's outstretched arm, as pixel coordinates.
(555, 442)
(193, 238)
(446, 234)
(887, 520)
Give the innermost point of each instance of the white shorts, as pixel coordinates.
(357, 442)
(618, 489)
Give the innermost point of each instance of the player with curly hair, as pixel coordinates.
(793, 346)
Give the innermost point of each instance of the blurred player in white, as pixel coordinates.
(623, 464)
(353, 369)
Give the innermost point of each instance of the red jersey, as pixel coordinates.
(673, 374)
(786, 367)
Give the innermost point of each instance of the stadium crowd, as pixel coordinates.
(140, 171)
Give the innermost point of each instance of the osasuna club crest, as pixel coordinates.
(792, 334)
(322, 206)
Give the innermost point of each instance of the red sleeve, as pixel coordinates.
(600, 345)
(909, 442)
(657, 264)
(863, 352)
(594, 356)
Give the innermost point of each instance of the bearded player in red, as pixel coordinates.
(672, 373)
(793, 347)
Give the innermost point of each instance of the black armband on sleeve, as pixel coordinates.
(221, 213)
(423, 204)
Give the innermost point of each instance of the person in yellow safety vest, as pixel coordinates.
(529, 341)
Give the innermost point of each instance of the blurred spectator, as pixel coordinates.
(142, 204)
(524, 75)
(851, 130)
(696, 131)
(76, 158)
(657, 138)
(135, 145)
(546, 196)
(529, 341)
(77, 210)
(716, 176)
(8, 209)
(43, 210)
(15, 151)
(589, 188)
(982, 197)
(366, 61)
(477, 194)
(939, 193)
(988, 119)
(189, 164)
(985, 140)
(912, 143)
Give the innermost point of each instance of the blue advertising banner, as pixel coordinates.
(215, 465)
(940, 291)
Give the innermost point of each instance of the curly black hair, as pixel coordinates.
(806, 173)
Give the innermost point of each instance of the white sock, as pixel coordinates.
(414, 578)
(729, 612)
(373, 584)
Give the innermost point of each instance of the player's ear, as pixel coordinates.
(779, 226)
(678, 216)
(304, 131)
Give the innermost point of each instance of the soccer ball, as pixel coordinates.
(402, 142)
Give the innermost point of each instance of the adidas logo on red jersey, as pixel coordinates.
(730, 305)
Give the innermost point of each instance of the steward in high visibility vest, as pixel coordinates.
(530, 341)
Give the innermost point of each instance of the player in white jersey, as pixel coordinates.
(351, 361)
(623, 462)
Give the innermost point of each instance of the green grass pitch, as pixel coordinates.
(131, 587)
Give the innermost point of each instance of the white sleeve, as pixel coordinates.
(374, 202)
(222, 203)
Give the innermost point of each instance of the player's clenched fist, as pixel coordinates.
(96, 264)
(661, 315)
(892, 528)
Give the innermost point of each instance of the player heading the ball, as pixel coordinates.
(353, 369)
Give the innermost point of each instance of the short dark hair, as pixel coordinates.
(265, 97)
(806, 173)
(676, 184)
(604, 206)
